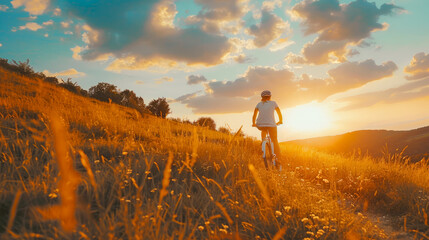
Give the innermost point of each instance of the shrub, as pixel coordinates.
(159, 107)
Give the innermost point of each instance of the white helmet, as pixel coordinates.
(265, 93)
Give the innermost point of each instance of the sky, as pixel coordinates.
(332, 66)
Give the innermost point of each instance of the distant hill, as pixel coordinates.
(374, 142)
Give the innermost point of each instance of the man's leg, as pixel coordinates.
(273, 134)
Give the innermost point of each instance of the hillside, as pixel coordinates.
(77, 168)
(375, 142)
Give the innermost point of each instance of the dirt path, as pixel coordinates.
(387, 223)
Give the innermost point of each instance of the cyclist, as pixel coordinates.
(265, 121)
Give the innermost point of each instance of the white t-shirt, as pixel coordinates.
(266, 114)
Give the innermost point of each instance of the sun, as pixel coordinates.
(310, 117)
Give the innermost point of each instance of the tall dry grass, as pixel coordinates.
(142, 177)
(389, 186)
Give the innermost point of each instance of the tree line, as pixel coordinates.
(105, 92)
(110, 93)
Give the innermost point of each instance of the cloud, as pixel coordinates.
(321, 52)
(218, 15)
(29, 18)
(195, 79)
(408, 91)
(346, 76)
(66, 24)
(207, 104)
(48, 23)
(242, 58)
(255, 79)
(68, 72)
(288, 90)
(338, 26)
(76, 52)
(241, 94)
(34, 7)
(57, 12)
(334, 22)
(139, 82)
(221, 10)
(164, 79)
(31, 26)
(292, 58)
(270, 28)
(3, 8)
(271, 5)
(416, 87)
(136, 63)
(357, 73)
(141, 34)
(418, 67)
(186, 97)
(280, 44)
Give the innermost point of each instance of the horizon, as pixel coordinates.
(340, 134)
(333, 66)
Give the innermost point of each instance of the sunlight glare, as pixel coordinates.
(308, 117)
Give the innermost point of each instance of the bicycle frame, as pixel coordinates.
(265, 142)
(273, 161)
(270, 144)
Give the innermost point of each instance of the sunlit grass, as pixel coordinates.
(390, 186)
(141, 177)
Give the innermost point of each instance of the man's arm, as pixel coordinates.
(280, 116)
(255, 113)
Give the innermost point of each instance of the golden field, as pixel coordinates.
(76, 168)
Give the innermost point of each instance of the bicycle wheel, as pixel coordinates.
(267, 155)
(276, 163)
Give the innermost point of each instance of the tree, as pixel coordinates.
(73, 87)
(130, 99)
(206, 122)
(224, 130)
(186, 121)
(159, 107)
(24, 68)
(4, 62)
(178, 120)
(52, 80)
(104, 92)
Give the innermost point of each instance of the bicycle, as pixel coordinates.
(268, 154)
